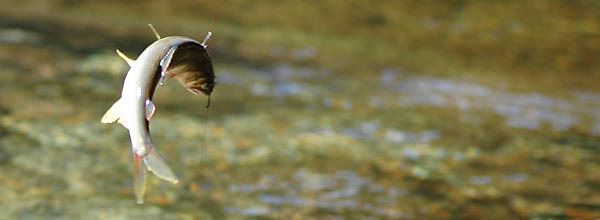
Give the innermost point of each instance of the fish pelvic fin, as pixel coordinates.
(155, 164)
(140, 174)
(150, 109)
(129, 61)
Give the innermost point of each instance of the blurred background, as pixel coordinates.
(324, 110)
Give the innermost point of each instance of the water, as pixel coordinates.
(288, 140)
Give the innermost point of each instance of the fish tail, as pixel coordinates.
(154, 162)
(139, 178)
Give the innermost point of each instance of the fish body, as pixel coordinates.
(177, 57)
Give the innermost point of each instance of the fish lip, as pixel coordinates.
(206, 92)
(199, 90)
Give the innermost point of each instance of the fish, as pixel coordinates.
(182, 58)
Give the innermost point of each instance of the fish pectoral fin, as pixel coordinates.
(130, 61)
(112, 115)
(150, 109)
(159, 167)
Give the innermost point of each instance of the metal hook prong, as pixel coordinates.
(206, 38)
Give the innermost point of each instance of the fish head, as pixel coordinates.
(197, 82)
(191, 65)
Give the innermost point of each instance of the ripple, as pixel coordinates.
(338, 193)
(402, 137)
(520, 110)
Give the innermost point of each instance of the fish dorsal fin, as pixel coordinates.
(150, 109)
(112, 115)
(129, 60)
(154, 31)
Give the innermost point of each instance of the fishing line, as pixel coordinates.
(212, 15)
(212, 7)
(198, 181)
(205, 127)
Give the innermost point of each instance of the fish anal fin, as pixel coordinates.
(129, 61)
(150, 109)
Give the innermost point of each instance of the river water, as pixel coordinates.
(286, 141)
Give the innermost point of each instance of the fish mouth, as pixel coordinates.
(206, 90)
(191, 65)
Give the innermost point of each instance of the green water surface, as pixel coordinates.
(324, 110)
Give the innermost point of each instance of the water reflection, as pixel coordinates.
(341, 192)
(292, 140)
(520, 110)
(14, 36)
(529, 111)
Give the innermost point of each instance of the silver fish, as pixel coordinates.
(178, 57)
